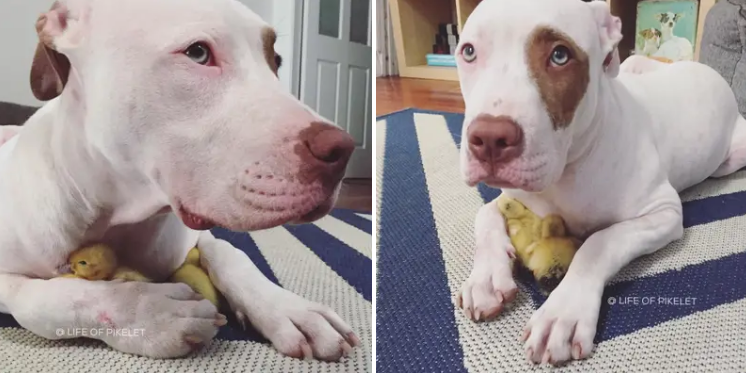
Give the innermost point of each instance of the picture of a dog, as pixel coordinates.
(673, 47)
(651, 41)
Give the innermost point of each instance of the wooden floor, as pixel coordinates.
(356, 194)
(394, 94)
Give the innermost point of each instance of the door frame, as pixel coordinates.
(287, 16)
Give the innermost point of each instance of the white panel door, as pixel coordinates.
(336, 73)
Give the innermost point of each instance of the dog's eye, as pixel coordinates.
(199, 53)
(469, 53)
(82, 262)
(560, 55)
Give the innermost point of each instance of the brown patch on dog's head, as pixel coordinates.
(269, 37)
(561, 87)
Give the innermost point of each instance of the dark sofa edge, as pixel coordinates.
(15, 114)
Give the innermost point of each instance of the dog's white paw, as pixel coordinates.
(158, 320)
(299, 328)
(488, 289)
(564, 326)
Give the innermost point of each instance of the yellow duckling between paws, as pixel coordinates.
(542, 244)
(99, 262)
(193, 275)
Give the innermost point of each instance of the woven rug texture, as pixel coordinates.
(328, 261)
(425, 252)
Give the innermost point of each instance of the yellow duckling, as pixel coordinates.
(193, 275)
(524, 227)
(542, 245)
(99, 262)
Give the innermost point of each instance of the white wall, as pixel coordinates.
(18, 38)
(18, 41)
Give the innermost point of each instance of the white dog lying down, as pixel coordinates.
(171, 121)
(550, 122)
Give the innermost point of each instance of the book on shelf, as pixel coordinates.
(446, 39)
(441, 60)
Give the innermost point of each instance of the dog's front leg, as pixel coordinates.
(155, 320)
(490, 285)
(565, 325)
(295, 326)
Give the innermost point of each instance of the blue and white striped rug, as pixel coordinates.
(328, 261)
(425, 246)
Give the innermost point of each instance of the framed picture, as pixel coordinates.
(666, 29)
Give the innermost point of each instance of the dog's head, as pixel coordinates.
(651, 35)
(668, 20)
(529, 73)
(184, 94)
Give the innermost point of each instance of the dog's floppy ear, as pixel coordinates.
(610, 34)
(50, 69)
(659, 17)
(678, 16)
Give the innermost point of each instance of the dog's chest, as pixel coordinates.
(583, 214)
(156, 247)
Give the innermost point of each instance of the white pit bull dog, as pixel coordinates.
(171, 121)
(552, 121)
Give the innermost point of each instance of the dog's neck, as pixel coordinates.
(80, 196)
(125, 194)
(602, 128)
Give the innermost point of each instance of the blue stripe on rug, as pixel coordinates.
(245, 243)
(350, 217)
(7, 321)
(348, 263)
(713, 283)
(710, 209)
(233, 331)
(415, 322)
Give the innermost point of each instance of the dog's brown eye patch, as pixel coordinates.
(269, 37)
(561, 85)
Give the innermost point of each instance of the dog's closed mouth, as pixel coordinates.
(194, 221)
(315, 214)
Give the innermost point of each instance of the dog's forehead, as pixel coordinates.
(175, 16)
(514, 21)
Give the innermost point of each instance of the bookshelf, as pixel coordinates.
(415, 23)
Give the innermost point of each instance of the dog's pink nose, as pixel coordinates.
(494, 139)
(324, 151)
(329, 144)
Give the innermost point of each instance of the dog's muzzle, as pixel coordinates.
(494, 140)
